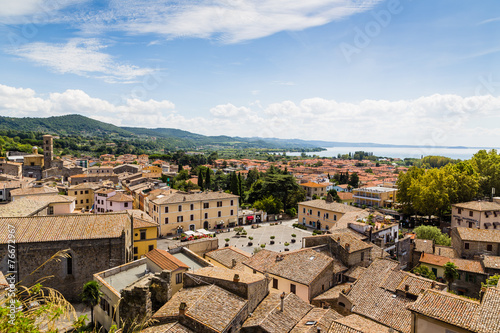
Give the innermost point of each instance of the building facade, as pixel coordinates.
(375, 196)
(322, 214)
(476, 214)
(181, 211)
(84, 194)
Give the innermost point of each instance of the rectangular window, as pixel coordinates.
(81, 192)
(459, 210)
(466, 246)
(191, 207)
(166, 209)
(219, 213)
(206, 215)
(275, 283)
(81, 201)
(303, 210)
(232, 202)
(191, 217)
(151, 248)
(293, 288)
(219, 203)
(135, 250)
(143, 234)
(327, 216)
(180, 218)
(86, 191)
(69, 264)
(178, 278)
(206, 205)
(87, 201)
(231, 212)
(126, 204)
(489, 247)
(319, 213)
(166, 220)
(362, 256)
(180, 208)
(334, 217)
(471, 213)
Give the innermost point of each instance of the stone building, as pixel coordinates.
(91, 243)
(181, 211)
(322, 214)
(470, 243)
(476, 215)
(305, 272)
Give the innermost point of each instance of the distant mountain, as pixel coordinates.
(83, 126)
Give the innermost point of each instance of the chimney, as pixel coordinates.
(433, 284)
(282, 297)
(233, 263)
(407, 287)
(347, 247)
(182, 309)
(236, 277)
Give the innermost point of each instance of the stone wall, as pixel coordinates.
(322, 282)
(88, 257)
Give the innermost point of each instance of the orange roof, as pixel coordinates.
(311, 184)
(462, 264)
(165, 260)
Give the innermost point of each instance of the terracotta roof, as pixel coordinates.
(355, 272)
(314, 319)
(488, 314)
(330, 206)
(121, 197)
(210, 305)
(492, 262)
(424, 245)
(301, 266)
(65, 227)
(479, 205)
(311, 184)
(29, 205)
(369, 299)
(175, 327)
(227, 274)
(189, 197)
(356, 324)
(473, 266)
(34, 191)
(105, 190)
(479, 235)
(333, 293)
(269, 318)
(445, 251)
(446, 307)
(165, 260)
(349, 242)
(85, 186)
(226, 255)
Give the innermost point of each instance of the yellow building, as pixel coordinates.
(181, 211)
(151, 172)
(84, 194)
(34, 159)
(160, 260)
(376, 196)
(322, 214)
(145, 233)
(314, 189)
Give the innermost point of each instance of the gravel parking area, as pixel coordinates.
(261, 235)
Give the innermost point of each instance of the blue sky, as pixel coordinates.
(398, 71)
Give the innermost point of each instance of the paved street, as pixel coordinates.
(260, 235)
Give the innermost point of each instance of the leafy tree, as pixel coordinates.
(450, 273)
(425, 272)
(270, 205)
(253, 175)
(91, 296)
(335, 195)
(234, 183)
(404, 183)
(207, 177)
(492, 281)
(432, 233)
(354, 180)
(487, 166)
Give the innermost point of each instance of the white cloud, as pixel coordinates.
(435, 119)
(81, 57)
(227, 21)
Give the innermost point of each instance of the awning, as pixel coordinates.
(250, 217)
(204, 232)
(220, 222)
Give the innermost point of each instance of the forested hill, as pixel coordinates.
(81, 126)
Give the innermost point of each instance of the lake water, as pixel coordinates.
(455, 153)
